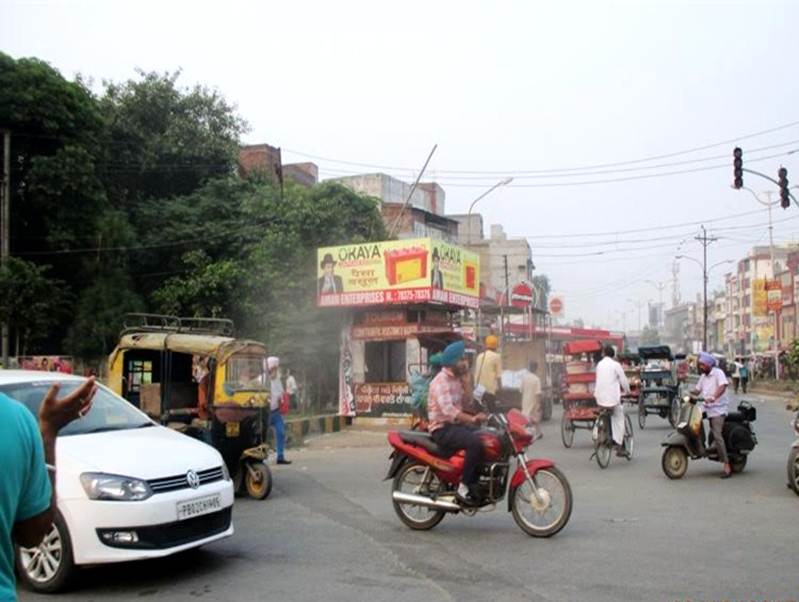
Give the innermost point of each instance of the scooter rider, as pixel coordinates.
(712, 386)
(449, 425)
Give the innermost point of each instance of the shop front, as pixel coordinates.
(402, 297)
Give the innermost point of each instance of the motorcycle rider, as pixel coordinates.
(449, 425)
(712, 386)
(610, 381)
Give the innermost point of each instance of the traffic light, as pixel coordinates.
(738, 167)
(785, 196)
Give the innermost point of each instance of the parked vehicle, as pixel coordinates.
(660, 385)
(191, 375)
(425, 478)
(793, 459)
(688, 440)
(128, 489)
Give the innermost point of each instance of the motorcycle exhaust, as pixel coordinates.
(421, 500)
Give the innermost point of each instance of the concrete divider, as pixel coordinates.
(298, 428)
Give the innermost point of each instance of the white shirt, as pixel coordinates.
(708, 385)
(276, 389)
(531, 389)
(291, 385)
(610, 381)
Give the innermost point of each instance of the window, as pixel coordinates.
(140, 373)
(385, 361)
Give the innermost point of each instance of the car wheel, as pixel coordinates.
(48, 567)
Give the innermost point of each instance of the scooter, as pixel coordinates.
(793, 459)
(688, 440)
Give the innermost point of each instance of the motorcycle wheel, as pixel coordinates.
(674, 411)
(543, 517)
(793, 470)
(411, 479)
(259, 486)
(603, 443)
(641, 415)
(566, 431)
(674, 462)
(737, 463)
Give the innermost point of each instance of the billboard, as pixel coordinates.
(397, 271)
(766, 296)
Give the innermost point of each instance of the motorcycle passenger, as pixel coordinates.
(610, 382)
(712, 386)
(449, 425)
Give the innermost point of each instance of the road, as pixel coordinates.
(328, 532)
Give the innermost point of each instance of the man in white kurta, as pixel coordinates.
(610, 382)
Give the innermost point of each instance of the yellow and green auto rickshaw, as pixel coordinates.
(192, 375)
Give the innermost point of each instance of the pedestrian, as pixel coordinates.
(736, 374)
(275, 417)
(743, 372)
(488, 367)
(292, 389)
(531, 397)
(27, 494)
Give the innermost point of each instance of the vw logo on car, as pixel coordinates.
(193, 479)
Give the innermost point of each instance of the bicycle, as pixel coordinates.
(603, 440)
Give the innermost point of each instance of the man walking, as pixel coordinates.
(531, 397)
(275, 417)
(610, 382)
(488, 366)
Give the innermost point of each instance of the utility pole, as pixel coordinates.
(706, 241)
(506, 299)
(5, 228)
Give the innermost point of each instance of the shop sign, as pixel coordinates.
(399, 271)
(382, 399)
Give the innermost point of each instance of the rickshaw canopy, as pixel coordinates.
(218, 347)
(656, 352)
(584, 346)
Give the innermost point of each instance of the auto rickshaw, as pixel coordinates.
(191, 375)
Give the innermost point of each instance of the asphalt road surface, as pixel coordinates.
(328, 532)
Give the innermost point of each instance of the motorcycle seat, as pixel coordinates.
(426, 441)
(734, 417)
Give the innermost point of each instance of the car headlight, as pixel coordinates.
(225, 472)
(100, 486)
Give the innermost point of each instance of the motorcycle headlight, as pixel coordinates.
(100, 486)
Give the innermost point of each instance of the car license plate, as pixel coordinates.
(199, 506)
(232, 429)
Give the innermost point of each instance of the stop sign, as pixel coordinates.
(555, 305)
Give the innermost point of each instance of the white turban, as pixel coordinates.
(272, 362)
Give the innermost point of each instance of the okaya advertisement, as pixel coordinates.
(397, 271)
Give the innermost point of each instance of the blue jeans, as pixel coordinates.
(276, 422)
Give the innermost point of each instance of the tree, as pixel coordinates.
(30, 302)
(649, 336)
(542, 285)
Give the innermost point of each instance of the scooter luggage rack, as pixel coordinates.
(140, 322)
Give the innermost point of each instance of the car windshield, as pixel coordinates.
(246, 373)
(108, 413)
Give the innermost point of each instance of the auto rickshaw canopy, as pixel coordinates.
(218, 347)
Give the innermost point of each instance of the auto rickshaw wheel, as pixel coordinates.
(674, 462)
(258, 480)
(641, 415)
(793, 470)
(566, 431)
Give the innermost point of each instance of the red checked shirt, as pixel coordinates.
(444, 398)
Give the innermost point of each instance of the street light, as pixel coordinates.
(504, 182)
(705, 271)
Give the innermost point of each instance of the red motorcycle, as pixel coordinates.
(426, 478)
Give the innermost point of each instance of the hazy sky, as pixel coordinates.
(510, 88)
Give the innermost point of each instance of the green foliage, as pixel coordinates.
(649, 336)
(542, 285)
(30, 302)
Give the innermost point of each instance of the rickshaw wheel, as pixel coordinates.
(259, 485)
(566, 431)
(674, 462)
(793, 470)
(674, 411)
(641, 415)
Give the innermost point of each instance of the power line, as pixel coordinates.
(562, 169)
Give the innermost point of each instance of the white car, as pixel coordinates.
(128, 488)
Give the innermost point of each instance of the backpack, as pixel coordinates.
(420, 385)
